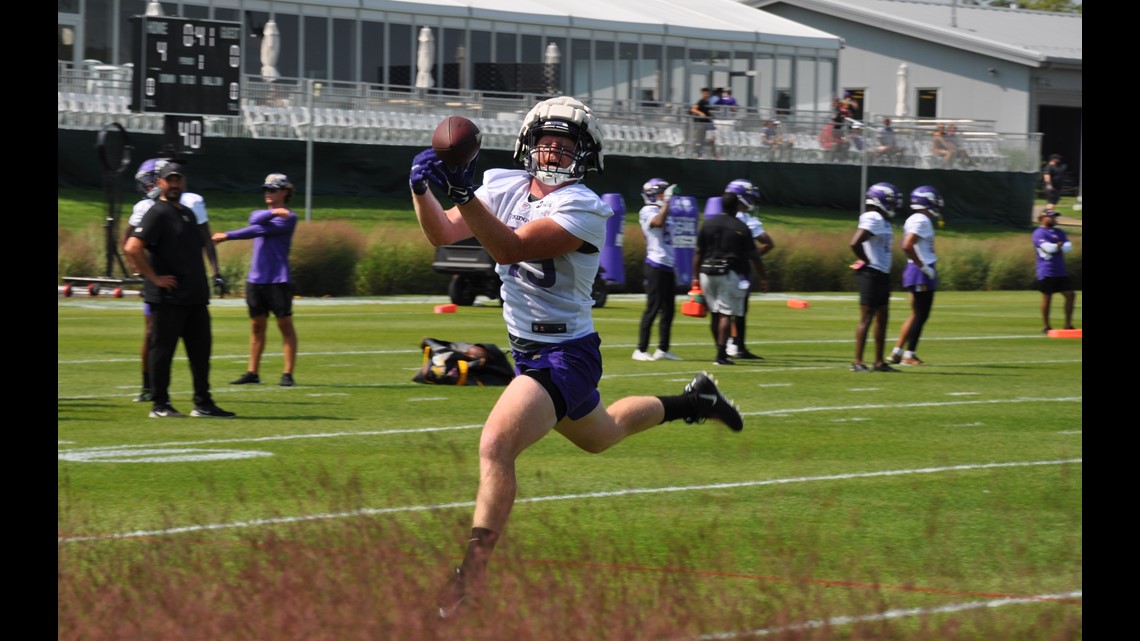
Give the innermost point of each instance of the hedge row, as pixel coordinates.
(332, 258)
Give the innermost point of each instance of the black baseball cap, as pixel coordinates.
(171, 169)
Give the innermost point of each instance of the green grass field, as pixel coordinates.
(942, 502)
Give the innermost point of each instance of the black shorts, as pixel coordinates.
(1054, 284)
(270, 297)
(874, 287)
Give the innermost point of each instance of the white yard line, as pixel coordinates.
(559, 497)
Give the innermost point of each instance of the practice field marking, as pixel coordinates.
(607, 347)
(845, 408)
(561, 497)
(963, 393)
(756, 370)
(474, 426)
(132, 455)
(898, 614)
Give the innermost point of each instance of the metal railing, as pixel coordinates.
(364, 113)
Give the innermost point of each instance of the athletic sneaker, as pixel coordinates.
(662, 355)
(913, 360)
(145, 396)
(859, 367)
(211, 411)
(731, 348)
(249, 378)
(165, 410)
(710, 403)
(723, 360)
(639, 355)
(883, 367)
(744, 354)
(896, 356)
(286, 380)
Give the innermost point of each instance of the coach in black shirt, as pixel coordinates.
(724, 250)
(166, 250)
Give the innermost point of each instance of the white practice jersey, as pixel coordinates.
(754, 224)
(658, 240)
(878, 245)
(920, 225)
(548, 300)
(196, 203)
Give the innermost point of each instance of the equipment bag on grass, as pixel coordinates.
(447, 363)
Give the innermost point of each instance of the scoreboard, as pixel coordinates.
(186, 66)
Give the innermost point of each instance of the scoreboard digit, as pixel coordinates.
(186, 66)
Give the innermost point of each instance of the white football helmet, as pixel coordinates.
(568, 117)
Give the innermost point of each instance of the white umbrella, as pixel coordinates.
(270, 47)
(900, 97)
(424, 57)
(550, 74)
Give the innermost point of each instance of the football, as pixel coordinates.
(456, 140)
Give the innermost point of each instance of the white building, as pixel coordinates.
(645, 51)
(1019, 69)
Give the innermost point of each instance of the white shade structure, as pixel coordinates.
(425, 56)
(901, 89)
(270, 48)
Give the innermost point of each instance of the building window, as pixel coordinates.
(316, 61)
(344, 53)
(372, 52)
(927, 103)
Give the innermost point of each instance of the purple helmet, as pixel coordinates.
(652, 190)
(928, 198)
(745, 191)
(146, 177)
(885, 196)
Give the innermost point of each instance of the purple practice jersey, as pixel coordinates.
(1050, 263)
(272, 238)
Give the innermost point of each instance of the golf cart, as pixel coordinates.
(473, 273)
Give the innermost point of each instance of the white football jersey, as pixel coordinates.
(878, 246)
(548, 300)
(658, 240)
(196, 203)
(920, 225)
(754, 224)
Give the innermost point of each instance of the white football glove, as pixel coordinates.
(672, 190)
(1067, 247)
(927, 271)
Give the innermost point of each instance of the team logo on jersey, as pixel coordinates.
(138, 229)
